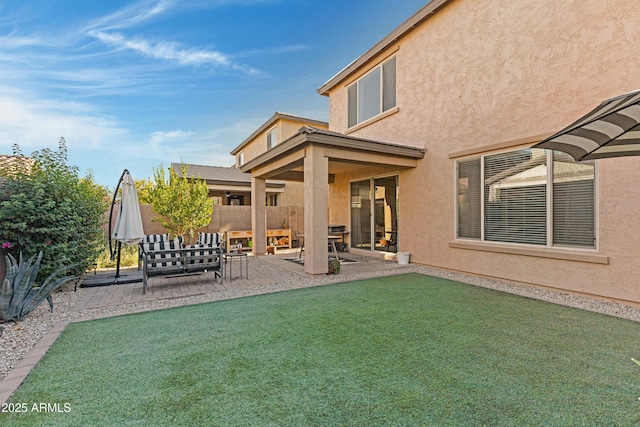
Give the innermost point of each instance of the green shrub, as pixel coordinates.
(46, 207)
(128, 257)
(334, 266)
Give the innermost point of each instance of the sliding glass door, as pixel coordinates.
(374, 214)
(361, 214)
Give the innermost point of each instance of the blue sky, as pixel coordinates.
(137, 84)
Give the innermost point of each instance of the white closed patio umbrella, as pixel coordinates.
(128, 226)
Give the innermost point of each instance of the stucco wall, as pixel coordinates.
(293, 194)
(483, 72)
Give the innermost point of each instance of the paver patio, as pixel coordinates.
(180, 286)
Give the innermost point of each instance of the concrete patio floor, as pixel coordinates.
(180, 286)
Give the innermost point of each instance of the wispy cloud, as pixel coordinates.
(204, 147)
(16, 41)
(33, 123)
(160, 137)
(171, 51)
(109, 30)
(130, 16)
(74, 79)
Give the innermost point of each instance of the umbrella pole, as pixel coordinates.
(118, 261)
(113, 203)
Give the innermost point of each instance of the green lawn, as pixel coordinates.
(403, 350)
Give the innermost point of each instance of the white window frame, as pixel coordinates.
(549, 207)
(241, 158)
(272, 137)
(381, 109)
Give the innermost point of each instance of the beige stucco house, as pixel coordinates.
(278, 128)
(429, 144)
(274, 131)
(230, 186)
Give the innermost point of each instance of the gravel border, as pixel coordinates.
(18, 338)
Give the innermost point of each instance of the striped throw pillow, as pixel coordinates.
(163, 260)
(210, 239)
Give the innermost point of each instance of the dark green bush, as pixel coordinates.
(46, 206)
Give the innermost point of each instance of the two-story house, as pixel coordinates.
(430, 146)
(230, 186)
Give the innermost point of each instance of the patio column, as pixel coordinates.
(316, 216)
(258, 215)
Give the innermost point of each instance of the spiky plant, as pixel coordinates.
(18, 295)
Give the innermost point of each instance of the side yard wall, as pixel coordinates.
(227, 218)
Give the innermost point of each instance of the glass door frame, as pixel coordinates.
(371, 245)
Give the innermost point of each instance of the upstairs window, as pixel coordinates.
(272, 138)
(372, 94)
(241, 158)
(529, 196)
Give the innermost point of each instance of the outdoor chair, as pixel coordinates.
(392, 241)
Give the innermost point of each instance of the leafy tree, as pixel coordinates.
(46, 206)
(143, 187)
(182, 204)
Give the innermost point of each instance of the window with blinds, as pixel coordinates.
(573, 201)
(513, 197)
(469, 204)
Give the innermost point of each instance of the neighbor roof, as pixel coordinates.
(418, 18)
(277, 116)
(221, 175)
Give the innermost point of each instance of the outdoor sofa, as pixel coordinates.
(163, 256)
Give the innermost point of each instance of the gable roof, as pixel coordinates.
(221, 175)
(418, 18)
(277, 116)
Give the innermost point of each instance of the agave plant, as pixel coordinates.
(18, 295)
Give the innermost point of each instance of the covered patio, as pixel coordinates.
(316, 157)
